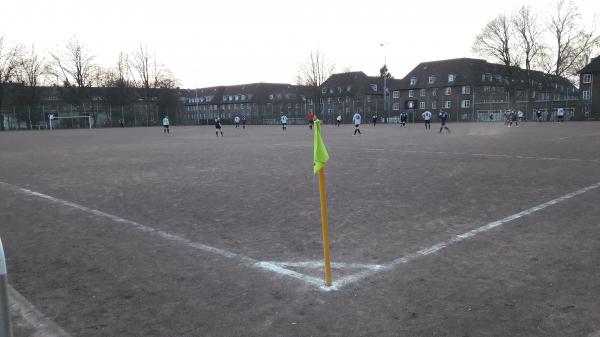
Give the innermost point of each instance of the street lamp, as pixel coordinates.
(384, 77)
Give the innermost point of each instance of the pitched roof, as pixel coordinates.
(592, 67)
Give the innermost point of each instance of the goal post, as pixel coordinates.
(56, 119)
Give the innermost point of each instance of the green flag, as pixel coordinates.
(320, 155)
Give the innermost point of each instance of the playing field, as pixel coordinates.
(486, 231)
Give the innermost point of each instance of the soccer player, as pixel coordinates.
(121, 123)
(243, 121)
(560, 113)
(218, 127)
(374, 119)
(311, 119)
(338, 120)
(403, 118)
(427, 119)
(513, 118)
(166, 124)
(283, 122)
(520, 116)
(443, 119)
(236, 120)
(356, 120)
(538, 114)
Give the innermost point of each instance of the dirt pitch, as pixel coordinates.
(486, 231)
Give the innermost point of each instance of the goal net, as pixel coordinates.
(70, 122)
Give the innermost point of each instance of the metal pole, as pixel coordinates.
(5, 326)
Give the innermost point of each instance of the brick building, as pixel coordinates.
(347, 93)
(261, 103)
(476, 90)
(589, 87)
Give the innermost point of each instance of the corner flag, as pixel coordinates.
(320, 155)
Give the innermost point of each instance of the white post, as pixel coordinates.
(5, 326)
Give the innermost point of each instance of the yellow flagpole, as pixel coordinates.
(325, 227)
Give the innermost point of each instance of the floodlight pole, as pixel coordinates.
(384, 76)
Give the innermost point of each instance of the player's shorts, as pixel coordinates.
(443, 122)
(356, 125)
(311, 121)
(218, 127)
(284, 124)
(427, 121)
(166, 126)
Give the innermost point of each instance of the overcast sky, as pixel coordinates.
(207, 43)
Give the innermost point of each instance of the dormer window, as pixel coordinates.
(324, 91)
(587, 78)
(373, 87)
(413, 81)
(431, 79)
(451, 78)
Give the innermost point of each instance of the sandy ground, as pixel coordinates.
(133, 256)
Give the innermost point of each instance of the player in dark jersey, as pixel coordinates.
(218, 127)
(443, 115)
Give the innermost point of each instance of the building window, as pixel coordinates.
(422, 105)
(323, 91)
(447, 104)
(586, 94)
(422, 92)
(237, 97)
(431, 79)
(587, 78)
(533, 94)
(466, 90)
(411, 93)
(448, 91)
(557, 97)
(465, 103)
(396, 106)
(434, 105)
(348, 88)
(331, 91)
(369, 98)
(434, 92)
(396, 94)
(373, 87)
(413, 81)
(451, 78)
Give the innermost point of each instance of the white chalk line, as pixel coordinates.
(578, 136)
(248, 261)
(43, 327)
(459, 238)
(278, 268)
(320, 264)
(490, 155)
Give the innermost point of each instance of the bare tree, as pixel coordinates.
(573, 43)
(75, 68)
(495, 42)
(314, 72)
(151, 75)
(529, 35)
(10, 57)
(33, 69)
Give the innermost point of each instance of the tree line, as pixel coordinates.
(558, 44)
(136, 75)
